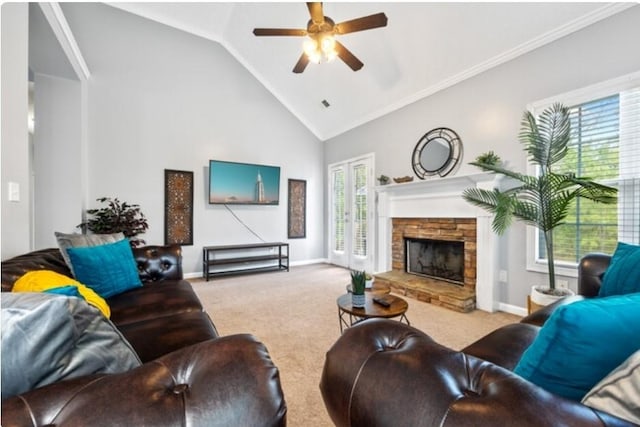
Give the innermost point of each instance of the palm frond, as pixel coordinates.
(546, 140)
(498, 169)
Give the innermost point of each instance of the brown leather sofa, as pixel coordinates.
(189, 375)
(385, 373)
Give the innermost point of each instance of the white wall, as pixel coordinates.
(162, 99)
(486, 111)
(16, 234)
(57, 158)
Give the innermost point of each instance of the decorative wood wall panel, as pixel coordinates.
(178, 207)
(297, 222)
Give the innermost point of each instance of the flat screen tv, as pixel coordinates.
(243, 183)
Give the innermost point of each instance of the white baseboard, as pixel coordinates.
(310, 261)
(512, 309)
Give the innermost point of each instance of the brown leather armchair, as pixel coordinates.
(384, 373)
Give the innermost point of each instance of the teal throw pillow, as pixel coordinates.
(581, 343)
(623, 275)
(108, 269)
(70, 291)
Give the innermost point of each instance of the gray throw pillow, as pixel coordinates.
(48, 338)
(74, 240)
(619, 392)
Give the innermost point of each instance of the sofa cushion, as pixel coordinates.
(48, 338)
(153, 300)
(75, 240)
(581, 343)
(619, 392)
(46, 280)
(623, 275)
(108, 269)
(504, 346)
(44, 259)
(153, 338)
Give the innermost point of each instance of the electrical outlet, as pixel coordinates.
(563, 284)
(502, 276)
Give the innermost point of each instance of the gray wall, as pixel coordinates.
(16, 233)
(57, 151)
(486, 112)
(162, 99)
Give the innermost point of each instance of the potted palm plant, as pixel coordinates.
(358, 281)
(541, 200)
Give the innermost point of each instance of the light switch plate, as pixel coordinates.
(14, 192)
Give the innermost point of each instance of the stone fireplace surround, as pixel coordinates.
(435, 208)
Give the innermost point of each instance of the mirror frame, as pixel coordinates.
(455, 152)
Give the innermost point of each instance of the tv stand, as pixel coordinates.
(244, 259)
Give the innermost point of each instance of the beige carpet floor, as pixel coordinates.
(295, 315)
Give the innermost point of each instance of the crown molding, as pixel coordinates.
(55, 17)
(596, 15)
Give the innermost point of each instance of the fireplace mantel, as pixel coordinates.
(436, 184)
(442, 198)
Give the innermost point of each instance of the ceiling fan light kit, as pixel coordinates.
(321, 44)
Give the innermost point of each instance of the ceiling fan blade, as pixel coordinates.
(349, 58)
(315, 10)
(360, 24)
(301, 64)
(279, 32)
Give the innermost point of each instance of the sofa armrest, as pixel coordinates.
(591, 270)
(382, 373)
(540, 316)
(221, 382)
(158, 263)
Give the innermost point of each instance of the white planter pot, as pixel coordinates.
(358, 301)
(368, 284)
(543, 299)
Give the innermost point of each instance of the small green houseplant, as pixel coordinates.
(358, 280)
(488, 158)
(117, 217)
(541, 200)
(368, 281)
(384, 179)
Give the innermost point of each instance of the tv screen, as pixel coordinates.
(243, 183)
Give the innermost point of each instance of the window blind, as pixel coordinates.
(338, 210)
(604, 146)
(360, 226)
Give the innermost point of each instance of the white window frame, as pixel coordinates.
(579, 96)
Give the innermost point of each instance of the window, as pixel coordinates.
(604, 146)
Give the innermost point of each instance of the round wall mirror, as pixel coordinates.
(437, 153)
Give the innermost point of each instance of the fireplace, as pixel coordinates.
(437, 259)
(434, 209)
(453, 238)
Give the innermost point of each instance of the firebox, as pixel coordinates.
(437, 259)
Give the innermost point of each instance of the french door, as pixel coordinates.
(351, 213)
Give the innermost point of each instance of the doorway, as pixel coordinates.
(351, 213)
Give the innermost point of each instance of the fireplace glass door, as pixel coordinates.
(351, 214)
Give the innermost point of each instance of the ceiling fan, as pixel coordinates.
(321, 30)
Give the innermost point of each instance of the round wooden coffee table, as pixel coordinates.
(349, 315)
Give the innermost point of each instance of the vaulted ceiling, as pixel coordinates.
(425, 47)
